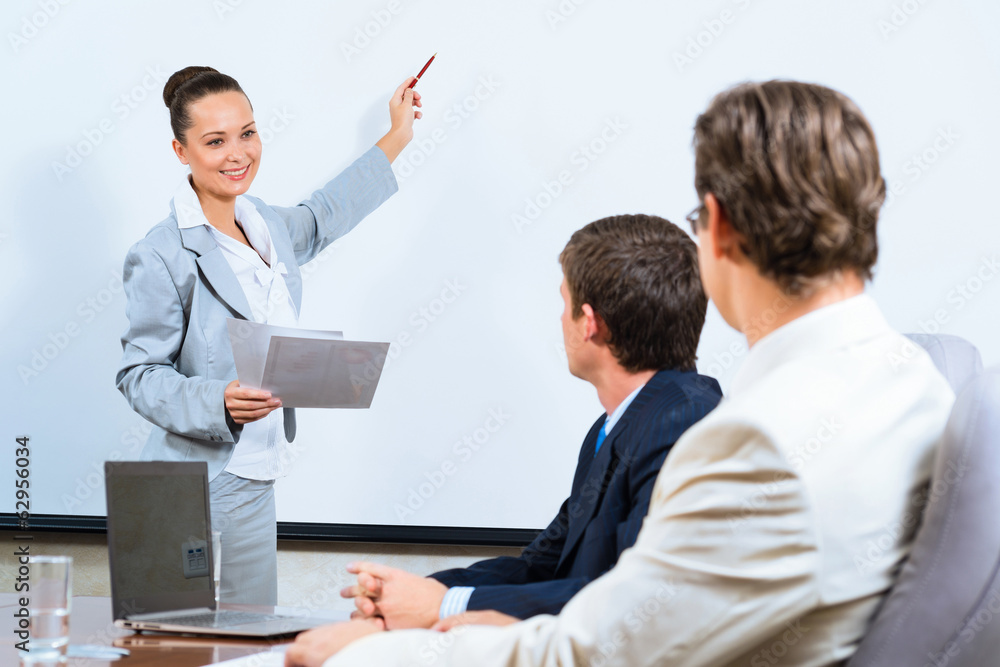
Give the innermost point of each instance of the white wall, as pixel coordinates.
(518, 92)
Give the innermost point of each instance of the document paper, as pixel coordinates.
(306, 368)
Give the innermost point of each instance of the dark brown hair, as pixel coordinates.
(640, 274)
(796, 169)
(186, 86)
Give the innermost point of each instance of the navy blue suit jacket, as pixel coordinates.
(603, 514)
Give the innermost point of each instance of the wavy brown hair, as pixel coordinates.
(796, 169)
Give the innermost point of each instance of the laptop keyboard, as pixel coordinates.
(218, 619)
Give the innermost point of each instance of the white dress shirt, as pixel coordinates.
(616, 414)
(776, 526)
(262, 451)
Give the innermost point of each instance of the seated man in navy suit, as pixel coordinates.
(634, 310)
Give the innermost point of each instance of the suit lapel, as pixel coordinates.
(587, 498)
(216, 270)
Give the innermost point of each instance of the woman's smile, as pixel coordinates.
(236, 174)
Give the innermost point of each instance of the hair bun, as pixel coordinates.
(179, 78)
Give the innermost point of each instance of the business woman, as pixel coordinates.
(222, 254)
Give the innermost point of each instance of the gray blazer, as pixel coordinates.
(176, 355)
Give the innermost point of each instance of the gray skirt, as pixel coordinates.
(243, 511)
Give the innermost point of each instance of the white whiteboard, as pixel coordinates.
(601, 95)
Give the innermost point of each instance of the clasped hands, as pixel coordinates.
(385, 599)
(395, 599)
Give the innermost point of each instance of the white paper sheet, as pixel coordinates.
(250, 341)
(306, 368)
(310, 373)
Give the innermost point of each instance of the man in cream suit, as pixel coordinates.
(778, 521)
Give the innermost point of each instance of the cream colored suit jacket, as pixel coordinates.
(776, 524)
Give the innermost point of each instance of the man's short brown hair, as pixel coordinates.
(640, 274)
(796, 169)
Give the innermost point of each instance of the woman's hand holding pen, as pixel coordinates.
(403, 110)
(247, 405)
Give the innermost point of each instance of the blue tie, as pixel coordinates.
(601, 435)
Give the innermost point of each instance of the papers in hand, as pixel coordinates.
(306, 368)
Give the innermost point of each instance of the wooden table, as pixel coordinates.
(91, 623)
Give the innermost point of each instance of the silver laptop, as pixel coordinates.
(159, 547)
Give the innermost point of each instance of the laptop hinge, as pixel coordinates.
(159, 615)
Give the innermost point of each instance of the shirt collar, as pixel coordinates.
(187, 208)
(613, 418)
(255, 228)
(189, 214)
(836, 326)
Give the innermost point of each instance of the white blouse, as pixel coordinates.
(262, 452)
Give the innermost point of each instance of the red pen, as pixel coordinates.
(422, 71)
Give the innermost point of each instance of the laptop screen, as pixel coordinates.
(159, 534)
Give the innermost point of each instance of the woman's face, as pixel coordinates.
(222, 146)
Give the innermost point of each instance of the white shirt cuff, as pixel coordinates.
(456, 600)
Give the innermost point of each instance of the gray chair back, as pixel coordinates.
(945, 606)
(956, 358)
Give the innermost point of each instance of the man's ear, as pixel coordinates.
(180, 151)
(594, 326)
(725, 241)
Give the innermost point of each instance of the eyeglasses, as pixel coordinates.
(693, 217)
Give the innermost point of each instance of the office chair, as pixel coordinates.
(944, 608)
